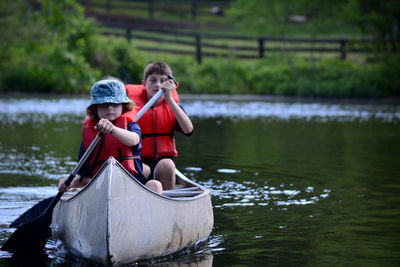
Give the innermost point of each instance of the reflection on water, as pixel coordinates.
(292, 183)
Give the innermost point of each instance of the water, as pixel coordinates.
(293, 183)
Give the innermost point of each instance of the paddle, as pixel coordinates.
(32, 234)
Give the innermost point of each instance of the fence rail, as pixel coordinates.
(217, 45)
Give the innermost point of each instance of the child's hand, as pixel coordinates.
(168, 87)
(61, 185)
(76, 182)
(105, 126)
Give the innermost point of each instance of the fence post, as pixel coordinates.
(128, 34)
(343, 44)
(261, 47)
(198, 49)
(151, 8)
(194, 9)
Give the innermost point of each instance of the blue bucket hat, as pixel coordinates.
(108, 91)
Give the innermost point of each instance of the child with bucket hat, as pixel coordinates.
(112, 113)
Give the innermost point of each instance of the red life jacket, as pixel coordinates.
(157, 125)
(110, 145)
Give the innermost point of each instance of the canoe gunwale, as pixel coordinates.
(179, 176)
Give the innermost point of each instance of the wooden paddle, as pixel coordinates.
(31, 236)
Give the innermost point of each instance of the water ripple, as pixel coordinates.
(16, 200)
(232, 194)
(40, 165)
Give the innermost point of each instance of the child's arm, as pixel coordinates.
(183, 119)
(123, 135)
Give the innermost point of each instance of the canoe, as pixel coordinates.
(116, 220)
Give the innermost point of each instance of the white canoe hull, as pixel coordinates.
(115, 219)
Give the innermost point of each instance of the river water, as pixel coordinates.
(293, 183)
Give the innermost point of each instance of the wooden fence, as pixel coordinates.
(218, 45)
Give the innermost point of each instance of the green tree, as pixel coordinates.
(20, 30)
(45, 46)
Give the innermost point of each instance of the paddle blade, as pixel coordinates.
(32, 213)
(29, 238)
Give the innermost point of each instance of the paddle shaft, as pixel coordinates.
(148, 105)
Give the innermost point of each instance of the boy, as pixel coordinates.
(160, 122)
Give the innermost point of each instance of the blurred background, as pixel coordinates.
(341, 48)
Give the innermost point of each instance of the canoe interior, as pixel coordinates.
(185, 189)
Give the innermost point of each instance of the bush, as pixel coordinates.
(56, 71)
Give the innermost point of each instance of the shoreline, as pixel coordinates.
(272, 98)
(233, 97)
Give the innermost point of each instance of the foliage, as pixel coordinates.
(25, 33)
(57, 50)
(227, 77)
(50, 55)
(116, 57)
(57, 71)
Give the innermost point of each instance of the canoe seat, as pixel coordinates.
(182, 192)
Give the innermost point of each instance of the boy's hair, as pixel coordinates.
(158, 67)
(91, 111)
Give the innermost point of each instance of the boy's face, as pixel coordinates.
(109, 111)
(154, 83)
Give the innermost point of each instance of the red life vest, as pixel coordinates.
(110, 145)
(157, 124)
